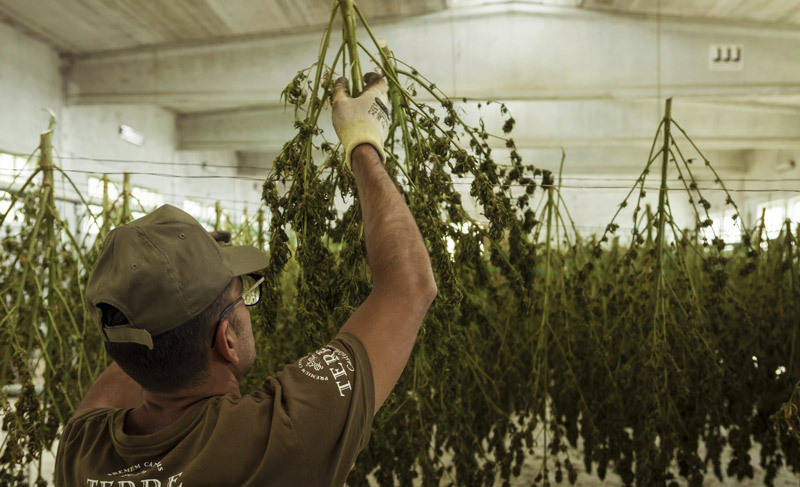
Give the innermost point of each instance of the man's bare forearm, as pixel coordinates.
(396, 251)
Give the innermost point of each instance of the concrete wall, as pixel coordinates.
(91, 143)
(596, 180)
(505, 50)
(30, 81)
(87, 140)
(597, 174)
(772, 176)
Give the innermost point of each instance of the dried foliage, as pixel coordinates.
(667, 355)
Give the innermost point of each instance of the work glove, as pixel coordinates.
(363, 119)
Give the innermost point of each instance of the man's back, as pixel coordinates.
(172, 306)
(303, 427)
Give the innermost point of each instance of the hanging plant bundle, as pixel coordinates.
(428, 147)
(51, 351)
(663, 358)
(555, 360)
(630, 336)
(674, 309)
(758, 321)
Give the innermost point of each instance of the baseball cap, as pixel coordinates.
(161, 271)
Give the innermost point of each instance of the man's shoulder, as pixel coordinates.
(82, 424)
(89, 419)
(90, 415)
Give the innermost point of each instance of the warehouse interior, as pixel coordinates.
(186, 98)
(202, 84)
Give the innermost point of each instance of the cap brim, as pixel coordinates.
(244, 259)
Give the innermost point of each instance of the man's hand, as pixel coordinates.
(364, 119)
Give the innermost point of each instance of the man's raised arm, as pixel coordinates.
(403, 285)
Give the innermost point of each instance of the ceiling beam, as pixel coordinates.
(505, 51)
(540, 124)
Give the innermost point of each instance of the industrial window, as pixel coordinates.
(96, 189)
(12, 167)
(205, 214)
(145, 200)
(142, 201)
(774, 216)
(92, 219)
(11, 176)
(724, 227)
(7, 166)
(13, 221)
(730, 227)
(90, 224)
(794, 210)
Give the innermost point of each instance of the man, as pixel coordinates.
(172, 307)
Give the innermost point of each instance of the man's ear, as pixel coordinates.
(227, 342)
(221, 236)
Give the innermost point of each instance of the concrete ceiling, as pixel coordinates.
(768, 11)
(86, 26)
(789, 101)
(81, 26)
(621, 56)
(221, 64)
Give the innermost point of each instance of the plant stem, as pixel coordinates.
(349, 34)
(662, 199)
(126, 197)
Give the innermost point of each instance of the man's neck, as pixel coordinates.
(159, 409)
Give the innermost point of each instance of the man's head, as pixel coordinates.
(162, 289)
(181, 358)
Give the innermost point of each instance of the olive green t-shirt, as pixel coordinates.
(303, 427)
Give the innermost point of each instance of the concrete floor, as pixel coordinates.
(533, 464)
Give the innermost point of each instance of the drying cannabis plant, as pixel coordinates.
(688, 347)
(663, 356)
(50, 348)
(530, 343)
(429, 145)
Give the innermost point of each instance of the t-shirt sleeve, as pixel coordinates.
(63, 472)
(329, 398)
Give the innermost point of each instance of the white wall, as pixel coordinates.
(87, 138)
(595, 181)
(773, 179)
(91, 143)
(776, 170)
(30, 81)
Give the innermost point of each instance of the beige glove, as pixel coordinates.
(364, 119)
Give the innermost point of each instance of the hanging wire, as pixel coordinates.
(469, 182)
(165, 175)
(162, 163)
(11, 190)
(658, 53)
(260, 168)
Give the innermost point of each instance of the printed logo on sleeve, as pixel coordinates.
(329, 364)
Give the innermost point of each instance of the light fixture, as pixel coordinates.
(786, 166)
(128, 134)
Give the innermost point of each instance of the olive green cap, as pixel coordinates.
(161, 271)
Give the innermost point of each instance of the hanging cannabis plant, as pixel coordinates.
(428, 146)
(51, 351)
(674, 309)
(662, 357)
